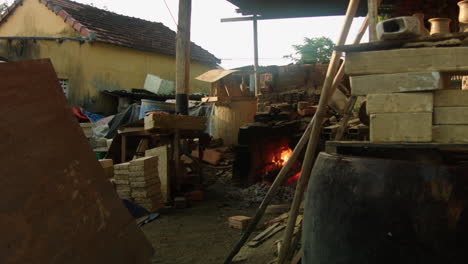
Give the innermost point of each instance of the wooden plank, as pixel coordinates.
(452, 59)
(163, 169)
(399, 103)
(157, 121)
(450, 134)
(265, 232)
(400, 43)
(451, 115)
(372, 14)
(401, 127)
(396, 83)
(256, 243)
(56, 206)
(451, 97)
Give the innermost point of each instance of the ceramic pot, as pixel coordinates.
(440, 26)
(463, 15)
(423, 29)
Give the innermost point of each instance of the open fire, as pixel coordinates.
(279, 158)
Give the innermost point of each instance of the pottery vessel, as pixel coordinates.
(463, 15)
(423, 29)
(440, 26)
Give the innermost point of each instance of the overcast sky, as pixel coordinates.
(232, 42)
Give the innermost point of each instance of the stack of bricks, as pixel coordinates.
(401, 105)
(122, 184)
(450, 116)
(145, 184)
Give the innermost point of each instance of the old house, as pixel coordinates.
(93, 49)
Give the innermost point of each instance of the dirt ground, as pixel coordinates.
(200, 234)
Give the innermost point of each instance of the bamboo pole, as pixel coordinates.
(312, 145)
(373, 19)
(256, 76)
(344, 120)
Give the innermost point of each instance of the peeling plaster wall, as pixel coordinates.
(89, 67)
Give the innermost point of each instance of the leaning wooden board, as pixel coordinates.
(56, 206)
(452, 59)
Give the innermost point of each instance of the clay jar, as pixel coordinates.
(463, 16)
(420, 17)
(440, 26)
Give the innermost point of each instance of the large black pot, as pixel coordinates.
(366, 210)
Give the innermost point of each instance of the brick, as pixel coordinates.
(121, 166)
(146, 192)
(124, 188)
(121, 182)
(144, 184)
(399, 103)
(451, 97)
(401, 127)
(239, 222)
(180, 202)
(396, 83)
(454, 134)
(143, 173)
(451, 115)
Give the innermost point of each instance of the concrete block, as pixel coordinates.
(401, 127)
(399, 28)
(451, 115)
(396, 83)
(453, 134)
(400, 103)
(451, 98)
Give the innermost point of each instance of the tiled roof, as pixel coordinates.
(131, 32)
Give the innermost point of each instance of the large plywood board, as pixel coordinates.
(396, 83)
(400, 103)
(401, 127)
(452, 59)
(56, 206)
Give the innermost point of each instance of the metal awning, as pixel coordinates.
(298, 8)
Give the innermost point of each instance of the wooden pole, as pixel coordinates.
(256, 77)
(373, 19)
(183, 57)
(311, 152)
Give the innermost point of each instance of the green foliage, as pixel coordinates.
(314, 50)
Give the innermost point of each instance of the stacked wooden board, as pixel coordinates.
(121, 182)
(408, 93)
(145, 184)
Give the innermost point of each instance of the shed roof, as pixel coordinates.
(119, 30)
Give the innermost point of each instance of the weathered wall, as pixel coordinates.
(89, 67)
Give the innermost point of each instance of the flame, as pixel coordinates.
(283, 157)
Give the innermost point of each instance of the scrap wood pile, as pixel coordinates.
(266, 244)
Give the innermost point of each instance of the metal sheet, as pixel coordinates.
(212, 76)
(57, 206)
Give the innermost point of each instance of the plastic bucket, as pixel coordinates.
(149, 105)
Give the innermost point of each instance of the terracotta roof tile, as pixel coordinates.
(120, 30)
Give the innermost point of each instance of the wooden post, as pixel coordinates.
(183, 57)
(257, 78)
(311, 151)
(373, 19)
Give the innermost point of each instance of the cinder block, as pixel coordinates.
(454, 134)
(401, 127)
(451, 115)
(451, 98)
(400, 103)
(399, 28)
(396, 83)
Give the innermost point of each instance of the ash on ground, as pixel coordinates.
(220, 183)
